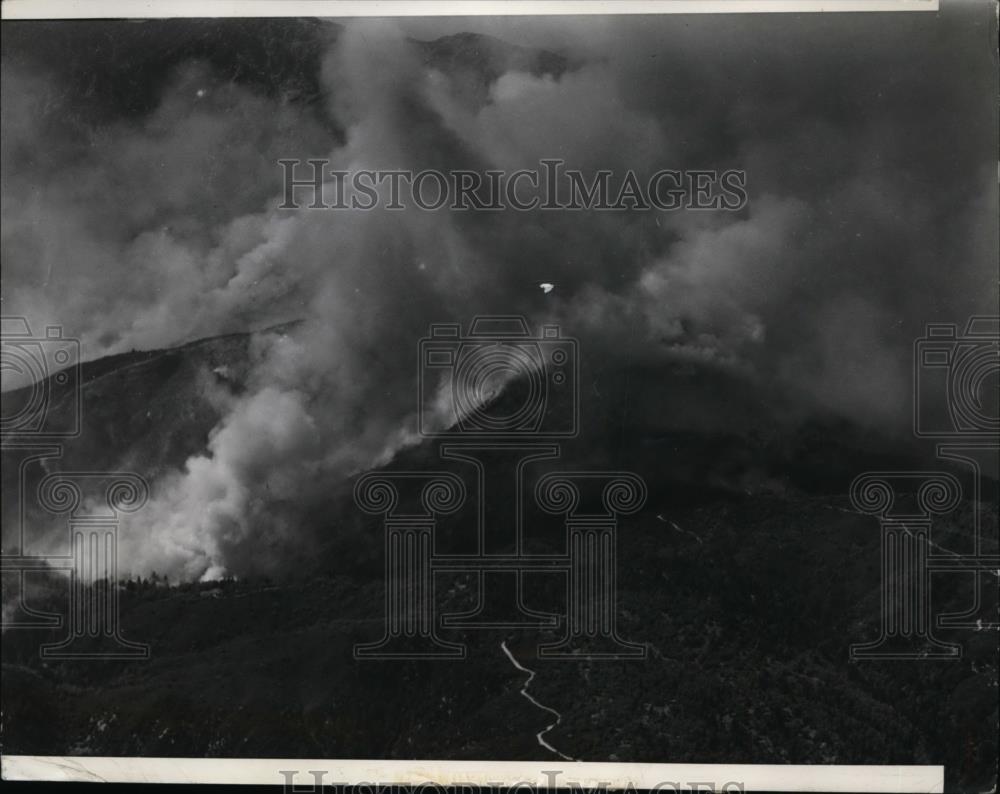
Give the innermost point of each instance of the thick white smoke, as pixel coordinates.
(335, 394)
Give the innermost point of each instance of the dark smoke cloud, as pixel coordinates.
(871, 172)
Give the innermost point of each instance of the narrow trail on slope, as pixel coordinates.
(524, 691)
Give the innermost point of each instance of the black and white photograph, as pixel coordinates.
(602, 392)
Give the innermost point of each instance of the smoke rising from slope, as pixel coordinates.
(140, 232)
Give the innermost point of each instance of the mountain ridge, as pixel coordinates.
(729, 592)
